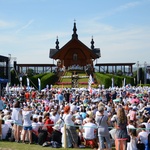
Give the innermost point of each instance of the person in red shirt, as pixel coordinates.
(48, 123)
(46, 108)
(27, 96)
(33, 95)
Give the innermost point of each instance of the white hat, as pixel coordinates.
(134, 108)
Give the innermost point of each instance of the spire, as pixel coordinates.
(92, 43)
(74, 35)
(57, 43)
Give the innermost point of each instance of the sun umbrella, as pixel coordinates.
(117, 100)
(140, 95)
(134, 100)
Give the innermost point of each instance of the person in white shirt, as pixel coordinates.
(35, 130)
(56, 97)
(73, 107)
(89, 130)
(6, 110)
(55, 116)
(130, 125)
(40, 122)
(17, 118)
(27, 124)
(132, 145)
(69, 121)
(35, 125)
(143, 136)
(105, 112)
(85, 120)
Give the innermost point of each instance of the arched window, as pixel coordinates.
(75, 57)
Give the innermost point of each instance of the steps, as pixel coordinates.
(73, 79)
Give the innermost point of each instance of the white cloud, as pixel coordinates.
(25, 26)
(125, 44)
(117, 10)
(128, 5)
(4, 24)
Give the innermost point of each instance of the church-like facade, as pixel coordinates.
(75, 53)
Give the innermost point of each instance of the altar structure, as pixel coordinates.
(75, 55)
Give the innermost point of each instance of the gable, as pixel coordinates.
(76, 46)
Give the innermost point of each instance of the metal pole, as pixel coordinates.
(137, 72)
(145, 72)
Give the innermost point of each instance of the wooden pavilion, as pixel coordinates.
(75, 53)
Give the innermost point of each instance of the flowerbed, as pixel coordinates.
(74, 76)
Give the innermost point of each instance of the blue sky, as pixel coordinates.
(120, 28)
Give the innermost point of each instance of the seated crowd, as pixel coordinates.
(99, 124)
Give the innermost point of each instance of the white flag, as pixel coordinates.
(90, 81)
(124, 82)
(112, 79)
(7, 87)
(39, 83)
(28, 83)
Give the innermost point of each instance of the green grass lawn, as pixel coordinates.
(68, 74)
(20, 146)
(82, 74)
(66, 80)
(83, 80)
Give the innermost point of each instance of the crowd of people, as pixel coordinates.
(99, 118)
